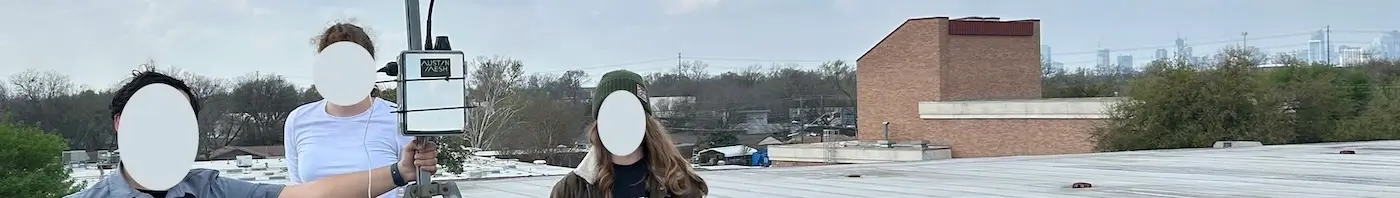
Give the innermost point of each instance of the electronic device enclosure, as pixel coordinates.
(437, 115)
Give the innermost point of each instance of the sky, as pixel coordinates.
(97, 43)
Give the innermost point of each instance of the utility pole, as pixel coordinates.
(1246, 39)
(1327, 42)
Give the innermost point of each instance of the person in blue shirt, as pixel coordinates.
(206, 183)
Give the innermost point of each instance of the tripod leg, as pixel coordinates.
(449, 190)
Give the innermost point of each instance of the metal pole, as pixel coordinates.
(887, 131)
(1327, 42)
(415, 29)
(1246, 39)
(415, 33)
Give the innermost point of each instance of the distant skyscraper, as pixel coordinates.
(1181, 49)
(1387, 46)
(1125, 63)
(1317, 48)
(1348, 55)
(1186, 52)
(1045, 54)
(1161, 54)
(1104, 58)
(1300, 54)
(1316, 51)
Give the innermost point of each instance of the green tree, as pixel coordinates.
(1317, 97)
(1175, 104)
(33, 163)
(1076, 84)
(390, 94)
(1377, 122)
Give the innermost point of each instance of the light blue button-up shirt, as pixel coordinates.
(199, 183)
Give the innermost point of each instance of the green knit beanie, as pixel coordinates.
(621, 80)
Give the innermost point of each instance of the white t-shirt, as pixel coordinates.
(320, 145)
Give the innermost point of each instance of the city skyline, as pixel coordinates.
(1385, 45)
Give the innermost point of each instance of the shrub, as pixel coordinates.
(31, 163)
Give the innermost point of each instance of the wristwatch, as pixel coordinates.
(398, 176)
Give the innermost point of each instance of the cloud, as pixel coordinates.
(675, 7)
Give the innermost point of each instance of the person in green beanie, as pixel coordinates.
(655, 169)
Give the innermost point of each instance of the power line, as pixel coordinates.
(680, 60)
(1363, 31)
(753, 59)
(613, 65)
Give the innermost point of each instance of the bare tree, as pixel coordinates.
(495, 82)
(259, 105)
(555, 113)
(841, 76)
(693, 69)
(213, 95)
(42, 97)
(33, 84)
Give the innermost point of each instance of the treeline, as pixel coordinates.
(1178, 104)
(247, 110)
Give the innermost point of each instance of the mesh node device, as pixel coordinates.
(432, 91)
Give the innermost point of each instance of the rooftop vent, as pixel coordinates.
(1081, 185)
(1233, 144)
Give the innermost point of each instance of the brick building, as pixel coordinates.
(972, 84)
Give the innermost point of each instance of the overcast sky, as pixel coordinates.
(99, 42)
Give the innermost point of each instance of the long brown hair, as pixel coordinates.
(665, 162)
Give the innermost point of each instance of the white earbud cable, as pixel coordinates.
(364, 141)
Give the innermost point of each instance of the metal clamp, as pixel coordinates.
(432, 189)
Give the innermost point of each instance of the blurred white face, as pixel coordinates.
(158, 136)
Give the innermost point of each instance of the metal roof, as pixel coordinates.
(1309, 170)
(732, 151)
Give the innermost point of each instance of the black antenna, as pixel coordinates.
(428, 35)
(392, 68)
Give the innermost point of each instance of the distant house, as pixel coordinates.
(728, 155)
(81, 156)
(258, 152)
(669, 106)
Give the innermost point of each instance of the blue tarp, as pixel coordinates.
(760, 158)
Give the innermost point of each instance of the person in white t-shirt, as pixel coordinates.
(324, 139)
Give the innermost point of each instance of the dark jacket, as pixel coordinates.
(580, 183)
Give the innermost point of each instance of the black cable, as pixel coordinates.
(428, 24)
